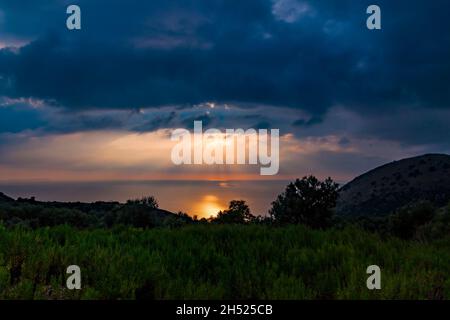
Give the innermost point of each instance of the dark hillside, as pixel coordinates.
(393, 185)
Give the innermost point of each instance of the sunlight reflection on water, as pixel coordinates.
(201, 198)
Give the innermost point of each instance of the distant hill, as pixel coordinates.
(393, 185)
(98, 206)
(5, 198)
(30, 212)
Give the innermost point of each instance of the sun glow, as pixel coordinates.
(209, 206)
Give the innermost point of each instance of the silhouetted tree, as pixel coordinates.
(237, 212)
(149, 202)
(307, 201)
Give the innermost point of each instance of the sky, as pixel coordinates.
(99, 104)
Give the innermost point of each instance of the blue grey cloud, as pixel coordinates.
(304, 55)
(166, 52)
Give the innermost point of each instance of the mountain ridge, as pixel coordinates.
(388, 187)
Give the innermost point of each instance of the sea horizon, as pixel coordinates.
(201, 198)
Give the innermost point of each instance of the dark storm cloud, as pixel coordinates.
(158, 122)
(262, 57)
(303, 54)
(206, 120)
(310, 122)
(412, 127)
(15, 119)
(262, 125)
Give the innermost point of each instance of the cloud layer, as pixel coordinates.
(310, 68)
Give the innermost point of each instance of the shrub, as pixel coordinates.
(307, 201)
(438, 227)
(149, 202)
(237, 212)
(405, 222)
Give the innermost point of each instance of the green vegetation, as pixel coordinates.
(307, 201)
(238, 212)
(419, 221)
(136, 250)
(219, 262)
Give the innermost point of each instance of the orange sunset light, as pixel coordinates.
(209, 206)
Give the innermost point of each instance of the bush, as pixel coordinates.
(149, 202)
(437, 228)
(238, 212)
(406, 221)
(307, 201)
(137, 215)
(177, 220)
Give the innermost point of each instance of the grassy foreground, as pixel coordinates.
(219, 262)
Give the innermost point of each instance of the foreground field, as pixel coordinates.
(219, 262)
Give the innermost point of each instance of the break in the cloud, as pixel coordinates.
(310, 68)
(115, 155)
